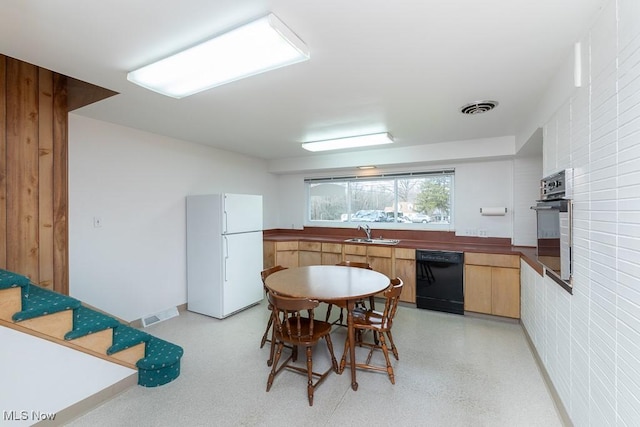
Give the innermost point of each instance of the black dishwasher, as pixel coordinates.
(439, 280)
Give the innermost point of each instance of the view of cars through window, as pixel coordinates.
(417, 199)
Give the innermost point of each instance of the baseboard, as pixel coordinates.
(557, 402)
(491, 317)
(90, 403)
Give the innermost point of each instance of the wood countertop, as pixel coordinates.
(429, 240)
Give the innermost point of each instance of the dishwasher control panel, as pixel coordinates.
(439, 256)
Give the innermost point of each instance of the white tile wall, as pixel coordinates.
(589, 342)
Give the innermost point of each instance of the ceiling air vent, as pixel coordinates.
(478, 107)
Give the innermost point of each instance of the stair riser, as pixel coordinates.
(157, 361)
(10, 303)
(55, 325)
(130, 355)
(98, 341)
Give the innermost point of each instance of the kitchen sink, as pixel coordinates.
(373, 241)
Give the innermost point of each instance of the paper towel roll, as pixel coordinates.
(495, 211)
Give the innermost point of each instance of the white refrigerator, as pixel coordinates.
(224, 253)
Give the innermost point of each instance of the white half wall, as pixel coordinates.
(135, 183)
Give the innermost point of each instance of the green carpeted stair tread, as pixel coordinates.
(87, 321)
(40, 302)
(161, 363)
(125, 336)
(9, 279)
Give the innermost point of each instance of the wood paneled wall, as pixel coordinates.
(33, 173)
(33, 169)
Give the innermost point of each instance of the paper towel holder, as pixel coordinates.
(494, 211)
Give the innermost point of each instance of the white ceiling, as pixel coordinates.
(403, 66)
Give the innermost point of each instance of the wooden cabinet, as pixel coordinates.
(268, 254)
(287, 254)
(492, 281)
(405, 268)
(379, 258)
(477, 292)
(331, 253)
(492, 284)
(309, 253)
(355, 253)
(388, 260)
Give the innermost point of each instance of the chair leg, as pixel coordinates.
(383, 345)
(309, 376)
(393, 346)
(326, 319)
(275, 365)
(266, 332)
(334, 362)
(272, 349)
(343, 361)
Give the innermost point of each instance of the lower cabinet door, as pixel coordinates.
(505, 292)
(477, 288)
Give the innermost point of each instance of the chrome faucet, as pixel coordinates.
(366, 229)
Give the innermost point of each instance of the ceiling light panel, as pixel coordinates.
(262, 45)
(349, 142)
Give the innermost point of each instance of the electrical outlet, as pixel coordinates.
(482, 233)
(471, 232)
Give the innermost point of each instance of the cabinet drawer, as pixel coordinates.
(404, 253)
(335, 248)
(355, 249)
(379, 251)
(309, 258)
(287, 246)
(493, 260)
(310, 246)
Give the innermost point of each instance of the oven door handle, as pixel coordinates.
(543, 208)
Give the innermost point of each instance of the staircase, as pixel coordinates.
(46, 314)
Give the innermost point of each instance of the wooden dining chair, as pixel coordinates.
(265, 337)
(343, 304)
(292, 327)
(380, 323)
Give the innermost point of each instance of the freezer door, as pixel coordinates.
(242, 285)
(241, 213)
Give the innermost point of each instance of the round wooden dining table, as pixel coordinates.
(330, 283)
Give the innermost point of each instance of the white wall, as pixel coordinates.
(590, 341)
(136, 183)
(477, 184)
(527, 172)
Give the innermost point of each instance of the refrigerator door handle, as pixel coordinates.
(226, 256)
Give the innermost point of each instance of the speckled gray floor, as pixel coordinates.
(453, 371)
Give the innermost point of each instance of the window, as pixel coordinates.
(422, 199)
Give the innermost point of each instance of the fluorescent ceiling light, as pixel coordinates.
(262, 45)
(366, 167)
(349, 142)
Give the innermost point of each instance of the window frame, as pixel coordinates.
(396, 176)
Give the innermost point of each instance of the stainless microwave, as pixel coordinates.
(553, 223)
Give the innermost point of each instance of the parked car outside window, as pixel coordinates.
(423, 218)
